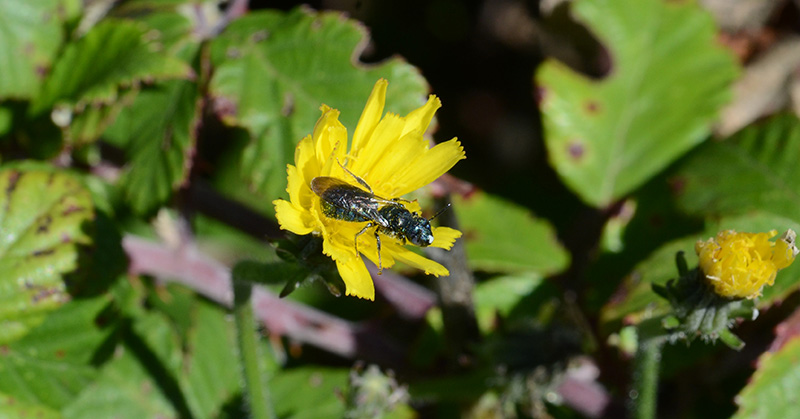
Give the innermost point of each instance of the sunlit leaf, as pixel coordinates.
(113, 55)
(51, 365)
(124, 389)
(173, 33)
(503, 237)
(667, 81)
(30, 35)
(10, 407)
(42, 216)
(159, 133)
(211, 368)
(320, 398)
(755, 169)
(274, 70)
(195, 344)
(774, 388)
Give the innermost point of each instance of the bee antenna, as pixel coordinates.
(440, 212)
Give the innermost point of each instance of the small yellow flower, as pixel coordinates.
(393, 156)
(738, 265)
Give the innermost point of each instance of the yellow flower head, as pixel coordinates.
(391, 154)
(738, 265)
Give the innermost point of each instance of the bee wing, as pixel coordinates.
(320, 184)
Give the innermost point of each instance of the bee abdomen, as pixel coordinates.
(340, 213)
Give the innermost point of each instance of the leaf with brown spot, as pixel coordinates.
(42, 214)
(30, 35)
(668, 80)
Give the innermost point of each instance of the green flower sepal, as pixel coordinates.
(733, 268)
(697, 311)
(300, 262)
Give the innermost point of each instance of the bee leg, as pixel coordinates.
(380, 262)
(362, 182)
(364, 230)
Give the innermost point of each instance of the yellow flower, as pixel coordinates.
(392, 155)
(738, 265)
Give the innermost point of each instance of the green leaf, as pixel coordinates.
(124, 390)
(88, 124)
(309, 392)
(41, 216)
(210, 365)
(51, 365)
(274, 70)
(6, 119)
(503, 237)
(635, 297)
(756, 169)
(174, 34)
(10, 407)
(159, 133)
(774, 388)
(30, 35)
(196, 347)
(114, 55)
(668, 79)
(500, 295)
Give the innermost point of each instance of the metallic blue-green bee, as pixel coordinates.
(343, 201)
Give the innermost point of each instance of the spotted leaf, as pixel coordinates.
(42, 215)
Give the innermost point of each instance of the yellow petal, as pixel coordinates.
(330, 140)
(428, 166)
(420, 118)
(292, 218)
(410, 258)
(297, 188)
(380, 146)
(356, 279)
(305, 158)
(370, 116)
(398, 157)
(444, 237)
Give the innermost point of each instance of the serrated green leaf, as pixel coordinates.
(667, 81)
(309, 392)
(30, 35)
(196, 346)
(756, 169)
(89, 123)
(51, 365)
(636, 298)
(274, 70)
(124, 390)
(10, 407)
(212, 372)
(174, 34)
(774, 389)
(114, 55)
(503, 237)
(41, 216)
(159, 132)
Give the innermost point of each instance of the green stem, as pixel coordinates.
(644, 394)
(256, 391)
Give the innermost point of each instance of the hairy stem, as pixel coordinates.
(643, 396)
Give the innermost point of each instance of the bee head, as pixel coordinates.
(419, 232)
